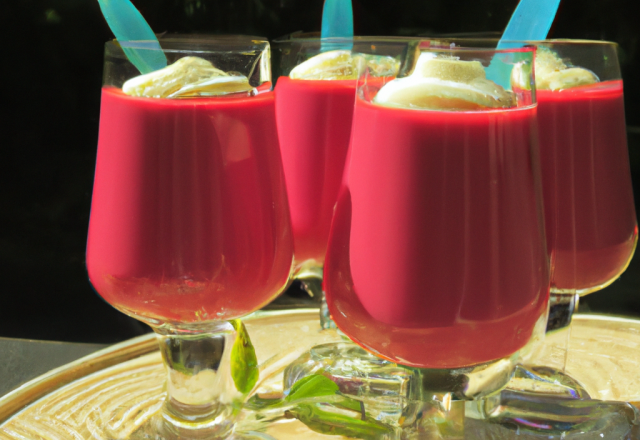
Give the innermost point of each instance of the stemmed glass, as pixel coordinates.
(189, 220)
(437, 258)
(590, 218)
(589, 208)
(315, 92)
(589, 212)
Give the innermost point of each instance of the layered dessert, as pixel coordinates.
(189, 217)
(314, 111)
(589, 208)
(436, 257)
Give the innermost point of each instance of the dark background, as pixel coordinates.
(50, 80)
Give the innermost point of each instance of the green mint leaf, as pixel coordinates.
(309, 387)
(316, 401)
(314, 385)
(326, 419)
(337, 414)
(244, 363)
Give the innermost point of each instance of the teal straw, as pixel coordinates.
(337, 22)
(531, 21)
(127, 24)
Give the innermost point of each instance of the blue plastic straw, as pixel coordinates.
(531, 21)
(127, 24)
(337, 22)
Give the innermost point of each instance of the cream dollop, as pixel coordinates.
(445, 83)
(553, 74)
(187, 77)
(343, 64)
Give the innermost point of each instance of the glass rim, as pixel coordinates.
(552, 41)
(315, 38)
(302, 37)
(202, 43)
(479, 49)
(310, 37)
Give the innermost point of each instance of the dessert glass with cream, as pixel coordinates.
(589, 207)
(315, 92)
(589, 215)
(189, 224)
(589, 210)
(437, 258)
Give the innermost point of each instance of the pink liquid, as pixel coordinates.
(436, 257)
(314, 126)
(588, 200)
(189, 217)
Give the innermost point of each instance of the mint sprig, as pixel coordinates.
(317, 402)
(326, 419)
(244, 363)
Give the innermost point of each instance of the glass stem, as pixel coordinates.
(311, 279)
(430, 413)
(436, 397)
(313, 286)
(562, 306)
(200, 389)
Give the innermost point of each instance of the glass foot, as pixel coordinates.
(532, 416)
(545, 403)
(393, 394)
(546, 381)
(382, 386)
(156, 428)
(537, 403)
(357, 371)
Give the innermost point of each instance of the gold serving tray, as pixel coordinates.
(107, 394)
